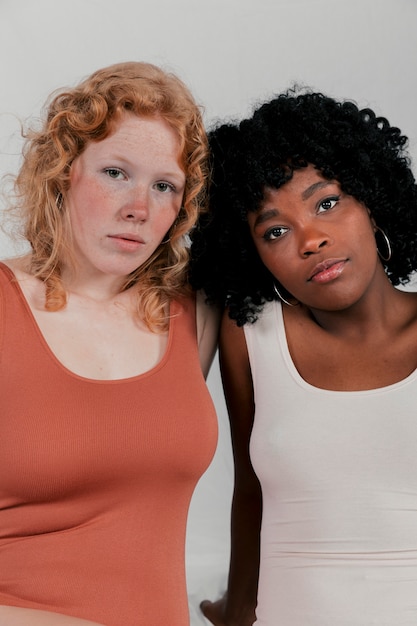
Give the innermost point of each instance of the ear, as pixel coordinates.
(373, 222)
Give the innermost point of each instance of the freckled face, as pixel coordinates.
(318, 242)
(125, 193)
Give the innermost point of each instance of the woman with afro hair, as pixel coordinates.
(312, 228)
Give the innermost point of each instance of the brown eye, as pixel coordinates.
(274, 233)
(328, 203)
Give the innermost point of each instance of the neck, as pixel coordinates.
(101, 289)
(377, 310)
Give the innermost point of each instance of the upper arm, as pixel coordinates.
(208, 321)
(238, 390)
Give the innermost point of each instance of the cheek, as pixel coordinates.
(88, 202)
(275, 261)
(165, 219)
(363, 241)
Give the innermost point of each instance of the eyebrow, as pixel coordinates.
(307, 193)
(264, 216)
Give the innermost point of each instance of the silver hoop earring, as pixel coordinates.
(387, 243)
(281, 297)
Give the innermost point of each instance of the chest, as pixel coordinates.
(353, 363)
(60, 431)
(100, 343)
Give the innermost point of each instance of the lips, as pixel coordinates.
(127, 237)
(327, 270)
(126, 243)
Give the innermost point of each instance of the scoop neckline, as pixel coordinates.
(47, 348)
(295, 374)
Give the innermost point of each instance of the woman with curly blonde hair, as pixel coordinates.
(107, 423)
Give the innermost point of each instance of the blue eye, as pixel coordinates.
(274, 233)
(328, 203)
(114, 172)
(164, 187)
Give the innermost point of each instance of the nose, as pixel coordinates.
(136, 207)
(312, 240)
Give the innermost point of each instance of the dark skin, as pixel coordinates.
(350, 331)
(237, 607)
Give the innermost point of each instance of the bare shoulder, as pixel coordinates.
(404, 315)
(232, 336)
(18, 265)
(409, 298)
(16, 616)
(20, 268)
(234, 358)
(238, 389)
(208, 322)
(32, 287)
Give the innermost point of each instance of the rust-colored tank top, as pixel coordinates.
(96, 476)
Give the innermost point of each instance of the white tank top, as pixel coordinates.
(339, 480)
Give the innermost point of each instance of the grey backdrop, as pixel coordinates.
(233, 54)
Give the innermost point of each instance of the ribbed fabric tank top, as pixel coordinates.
(96, 476)
(339, 480)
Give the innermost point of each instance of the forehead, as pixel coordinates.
(137, 139)
(303, 183)
(299, 180)
(131, 128)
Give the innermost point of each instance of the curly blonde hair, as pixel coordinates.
(74, 118)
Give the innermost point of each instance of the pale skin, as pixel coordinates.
(125, 194)
(351, 331)
(15, 616)
(117, 191)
